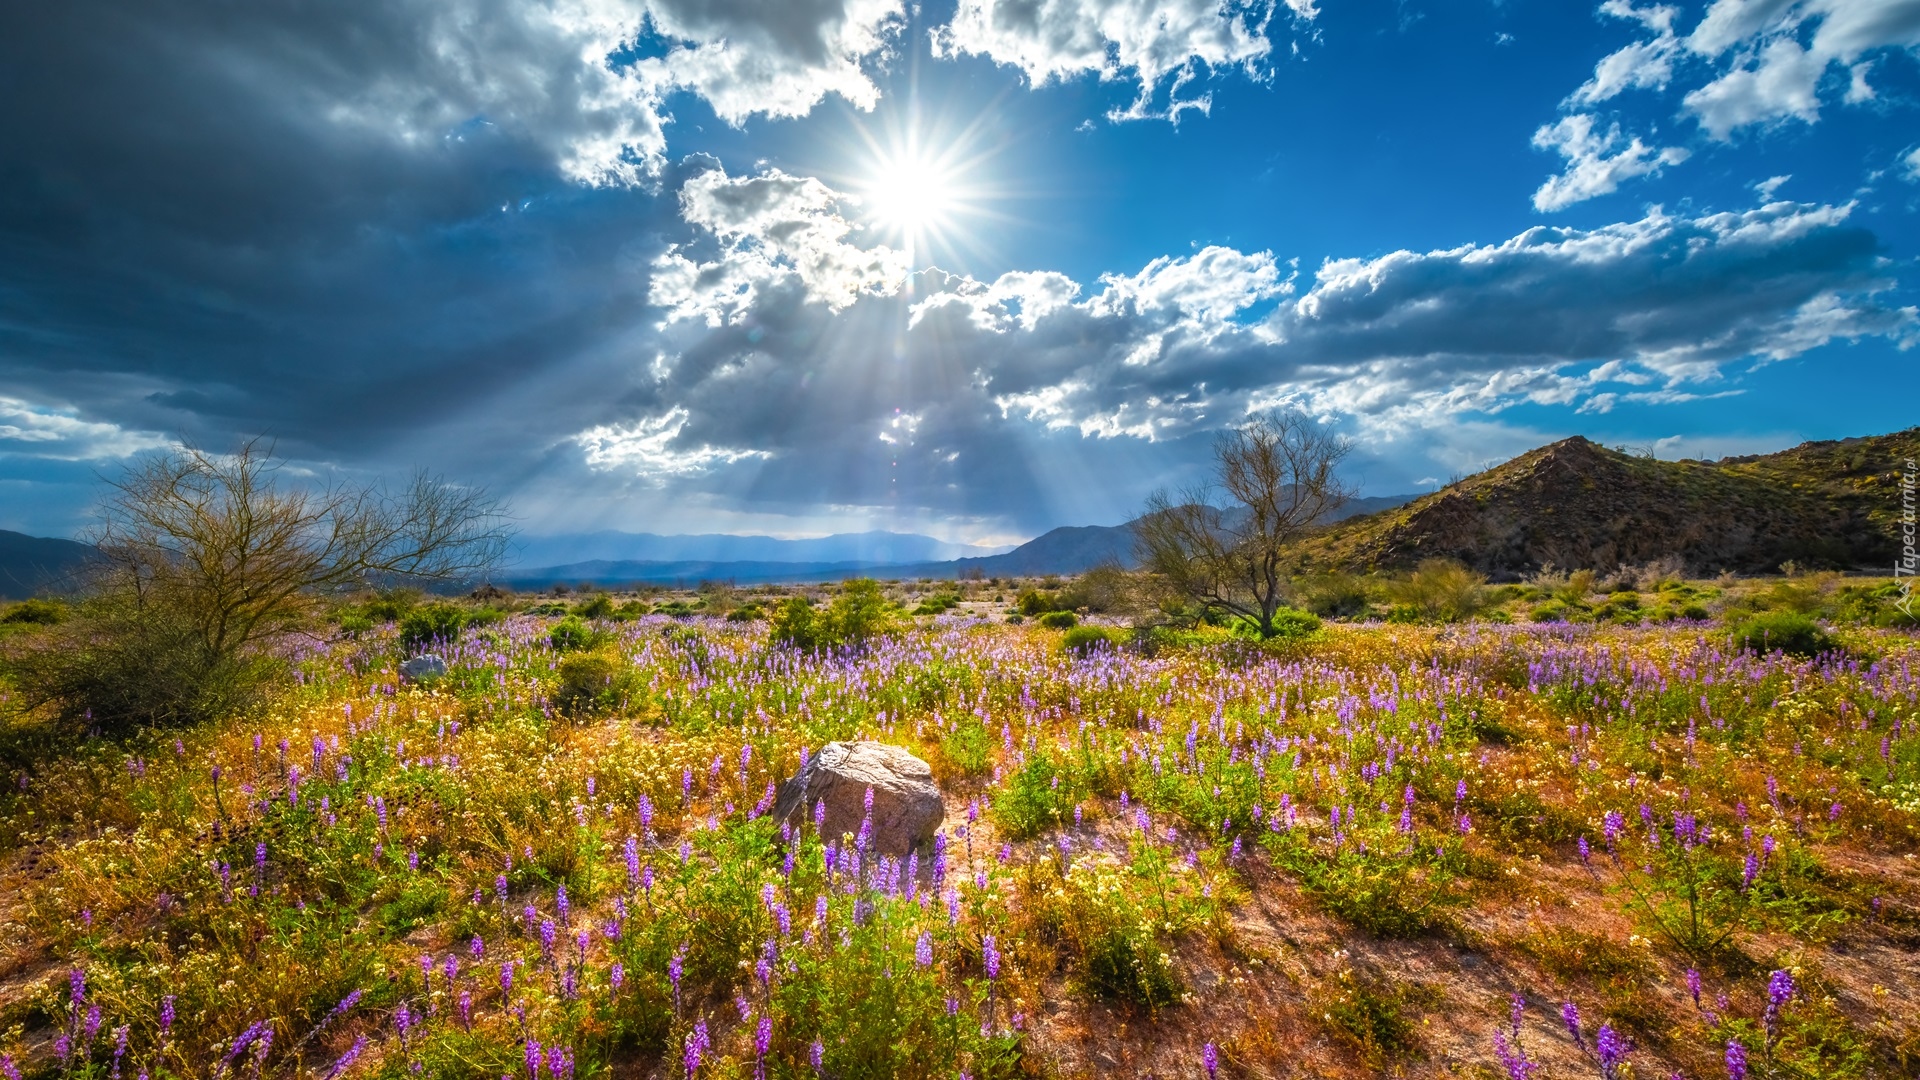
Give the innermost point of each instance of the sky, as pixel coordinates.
(967, 268)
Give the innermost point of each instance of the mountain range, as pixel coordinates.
(1573, 503)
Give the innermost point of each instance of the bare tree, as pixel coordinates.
(209, 558)
(1277, 474)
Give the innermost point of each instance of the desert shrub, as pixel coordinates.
(121, 663)
(35, 613)
(597, 606)
(1441, 590)
(677, 609)
(938, 604)
(390, 605)
(632, 609)
(591, 682)
(1087, 639)
(1036, 602)
(858, 614)
(1292, 624)
(1059, 620)
(748, 612)
(353, 624)
(437, 623)
(570, 635)
(1786, 631)
(1336, 594)
(1037, 797)
(1372, 1016)
(968, 747)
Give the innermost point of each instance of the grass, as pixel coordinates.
(557, 844)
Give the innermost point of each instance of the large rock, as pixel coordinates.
(424, 667)
(906, 802)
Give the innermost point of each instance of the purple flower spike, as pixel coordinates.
(1570, 1015)
(1736, 1060)
(1210, 1058)
(1611, 1049)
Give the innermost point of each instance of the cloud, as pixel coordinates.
(1641, 65)
(61, 434)
(974, 398)
(774, 59)
(1591, 171)
(772, 231)
(646, 448)
(1149, 42)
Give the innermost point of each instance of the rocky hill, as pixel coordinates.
(30, 565)
(1577, 504)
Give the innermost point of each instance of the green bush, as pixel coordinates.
(35, 613)
(1059, 620)
(797, 625)
(1087, 639)
(632, 609)
(571, 635)
(390, 605)
(1336, 595)
(432, 624)
(746, 613)
(1553, 611)
(937, 605)
(591, 682)
(858, 614)
(1037, 798)
(1292, 624)
(119, 663)
(353, 624)
(1787, 631)
(1441, 590)
(599, 606)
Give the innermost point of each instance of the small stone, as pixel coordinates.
(906, 802)
(424, 667)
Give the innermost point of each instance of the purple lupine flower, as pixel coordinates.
(1512, 1058)
(10, 1071)
(1570, 1015)
(1586, 852)
(1780, 990)
(617, 976)
(506, 977)
(450, 968)
(691, 1058)
(1750, 872)
(923, 950)
(347, 1059)
(1611, 825)
(166, 1015)
(1736, 1057)
(466, 1010)
(762, 1041)
(816, 1054)
(1693, 985)
(1611, 1049)
(560, 905)
(676, 966)
(477, 948)
(1210, 1060)
(990, 956)
(1516, 1009)
(533, 1058)
(546, 940)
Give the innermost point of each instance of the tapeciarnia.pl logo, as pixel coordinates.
(1905, 565)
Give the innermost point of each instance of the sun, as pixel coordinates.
(911, 194)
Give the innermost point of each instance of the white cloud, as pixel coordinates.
(1147, 41)
(772, 230)
(1641, 65)
(1782, 82)
(646, 448)
(1594, 166)
(30, 430)
(1773, 76)
(1910, 164)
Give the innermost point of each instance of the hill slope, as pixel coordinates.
(1577, 504)
(33, 564)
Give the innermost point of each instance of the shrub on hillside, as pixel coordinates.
(1336, 594)
(1087, 639)
(592, 682)
(1441, 590)
(35, 613)
(858, 614)
(1059, 620)
(1785, 631)
(599, 606)
(572, 635)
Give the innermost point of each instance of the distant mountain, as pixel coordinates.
(1075, 549)
(868, 548)
(30, 565)
(688, 572)
(1579, 505)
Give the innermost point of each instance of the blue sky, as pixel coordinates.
(972, 268)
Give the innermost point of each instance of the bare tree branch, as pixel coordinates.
(1278, 476)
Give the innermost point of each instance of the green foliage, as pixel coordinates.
(436, 624)
(1038, 796)
(597, 606)
(968, 748)
(570, 635)
(1335, 594)
(1037, 602)
(35, 613)
(1088, 639)
(1059, 620)
(592, 682)
(1440, 590)
(748, 612)
(1786, 631)
(121, 663)
(391, 605)
(858, 614)
(1292, 624)
(1371, 1015)
(938, 604)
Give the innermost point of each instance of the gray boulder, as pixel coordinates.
(906, 802)
(421, 668)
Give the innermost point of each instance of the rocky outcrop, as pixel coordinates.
(905, 806)
(423, 668)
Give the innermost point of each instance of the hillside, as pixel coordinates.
(31, 564)
(1577, 504)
